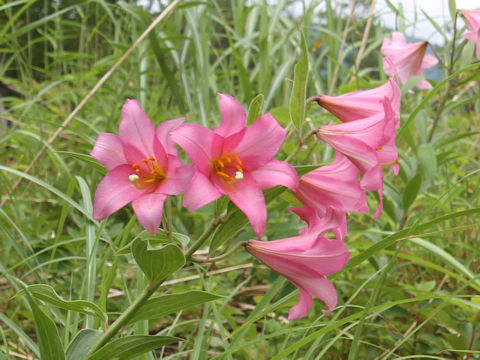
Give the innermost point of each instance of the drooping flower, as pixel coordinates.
(366, 143)
(143, 167)
(361, 104)
(305, 260)
(333, 220)
(235, 160)
(333, 186)
(409, 59)
(472, 18)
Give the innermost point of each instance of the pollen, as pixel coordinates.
(228, 167)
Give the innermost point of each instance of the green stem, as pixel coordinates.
(227, 254)
(125, 316)
(168, 210)
(206, 234)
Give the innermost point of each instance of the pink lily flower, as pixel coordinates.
(305, 260)
(366, 143)
(472, 18)
(143, 167)
(334, 185)
(333, 220)
(409, 59)
(360, 104)
(235, 160)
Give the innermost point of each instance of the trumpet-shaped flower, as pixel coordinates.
(366, 143)
(361, 104)
(334, 185)
(332, 220)
(305, 260)
(143, 167)
(472, 18)
(409, 59)
(235, 160)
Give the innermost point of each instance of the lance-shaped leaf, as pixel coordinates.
(47, 293)
(299, 90)
(130, 346)
(48, 339)
(158, 307)
(81, 343)
(255, 109)
(157, 264)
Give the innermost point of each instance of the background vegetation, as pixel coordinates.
(412, 287)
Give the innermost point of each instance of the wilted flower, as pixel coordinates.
(305, 261)
(235, 160)
(472, 18)
(409, 59)
(143, 167)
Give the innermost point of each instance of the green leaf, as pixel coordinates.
(130, 346)
(157, 264)
(449, 259)
(48, 340)
(158, 307)
(47, 293)
(411, 191)
(81, 343)
(154, 240)
(414, 230)
(428, 161)
(255, 109)
(453, 9)
(87, 159)
(299, 90)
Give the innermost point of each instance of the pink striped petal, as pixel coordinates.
(200, 192)
(114, 192)
(178, 177)
(136, 127)
(233, 116)
(260, 143)
(108, 151)
(148, 209)
(248, 196)
(275, 173)
(201, 145)
(163, 134)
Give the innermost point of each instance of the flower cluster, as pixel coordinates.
(238, 161)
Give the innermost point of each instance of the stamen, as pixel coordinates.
(225, 175)
(238, 160)
(379, 148)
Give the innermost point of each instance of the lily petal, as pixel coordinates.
(200, 192)
(201, 145)
(163, 134)
(108, 151)
(114, 192)
(275, 173)
(233, 116)
(136, 127)
(248, 196)
(149, 209)
(260, 143)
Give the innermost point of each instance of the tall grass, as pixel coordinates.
(411, 288)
